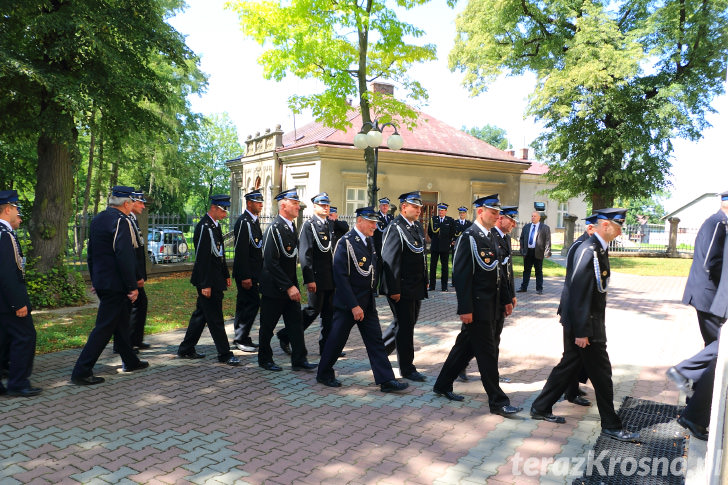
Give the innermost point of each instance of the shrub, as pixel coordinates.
(58, 287)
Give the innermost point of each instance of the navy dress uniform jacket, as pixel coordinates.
(316, 253)
(403, 260)
(441, 233)
(280, 252)
(354, 272)
(570, 269)
(382, 224)
(340, 228)
(13, 290)
(140, 251)
(705, 272)
(210, 269)
(248, 248)
(111, 252)
(584, 309)
(460, 226)
(477, 275)
(508, 283)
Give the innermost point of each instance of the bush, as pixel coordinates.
(58, 287)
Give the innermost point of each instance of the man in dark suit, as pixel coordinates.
(112, 264)
(404, 278)
(535, 246)
(316, 255)
(707, 292)
(441, 231)
(384, 219)
(138, 317)
(17, 333)
(355, 278)
(246, 270)
(696, 416)
(340, 227)
(211, 277)
(478, 273)
(585, 333)
(279, 286)
(462, 223)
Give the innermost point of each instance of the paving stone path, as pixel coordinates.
(202, 422)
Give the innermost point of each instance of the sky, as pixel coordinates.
(236, 85)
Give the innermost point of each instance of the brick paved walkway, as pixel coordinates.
(202, 422)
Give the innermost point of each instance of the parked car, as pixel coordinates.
(167, 245)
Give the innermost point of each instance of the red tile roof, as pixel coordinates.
(431, 135)
(537, 168)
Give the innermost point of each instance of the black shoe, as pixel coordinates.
(699, 431)
(232, 361)
(304, 366)
(27, 392)
(463, 377)
(551, 418)
(332, 382)
(504, 379)
(247, 347)
(393, 386)
(449, 394)
(682, 382)
(539, 292)
(143, 346)
(621, 435)
(506, 410)
(520, 290)
(580, 401)
(87, 381)
(270, 366)
(444, 290)
(285, 346)
(143, 364)
(415, 376)
(191, 355)
(580, 392)
(3, 391)
(135, 349)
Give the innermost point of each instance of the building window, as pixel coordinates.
(355, 197)
(562, 211)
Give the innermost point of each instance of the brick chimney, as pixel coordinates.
(384, 88)
(511, 153)
(523, 152)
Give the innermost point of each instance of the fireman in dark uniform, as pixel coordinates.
(211, 276)
(340, 227)
(441, 230)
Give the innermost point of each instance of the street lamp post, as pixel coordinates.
(372, 139)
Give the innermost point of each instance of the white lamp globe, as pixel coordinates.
(360, 141)
(395, 142)
(374, 138)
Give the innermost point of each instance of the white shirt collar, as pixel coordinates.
(213, 220)
(604, 243)
(502, 234)
(482, 228)
(319, 218)
(290, 223)
(362, 236)
(255, 218)
(7, 224)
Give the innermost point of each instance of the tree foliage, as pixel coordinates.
(616, 81)
(490, 134)
(344, 45)
(61, 61)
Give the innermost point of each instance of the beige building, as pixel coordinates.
(444, 163)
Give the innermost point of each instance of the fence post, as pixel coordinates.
(569, 226)
(672, 242)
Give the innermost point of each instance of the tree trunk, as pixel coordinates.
(53, 190)
(89, 176)
(99, 174)
(114, 173)
(601, 202)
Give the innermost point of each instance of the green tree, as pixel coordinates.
(616, 81)
(490, 134)
(344, 45)
(59, 60)
(651, 207)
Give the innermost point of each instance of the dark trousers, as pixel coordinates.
(17, 338)
(138, 318)
(319, 303)
(699, 406)
(573, 390)
(371, 334)
(271, 310)
(497, 327)
(407, 311)
(208, 311)
(595, 359)
(693, 367)
(247, 304)
(477, 340)
(112, 319)
(444, 258)
(530, 261)
(390, 333)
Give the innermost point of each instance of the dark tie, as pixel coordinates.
(533, 231)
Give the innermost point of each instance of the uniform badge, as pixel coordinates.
(363, 258)
(604, 273)
(361, 263)
(487, 260)
(288, 248)
(416, 243)
(482, 253)
(326, 238)
(357, 238)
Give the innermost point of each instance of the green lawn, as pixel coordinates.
(651, 266)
